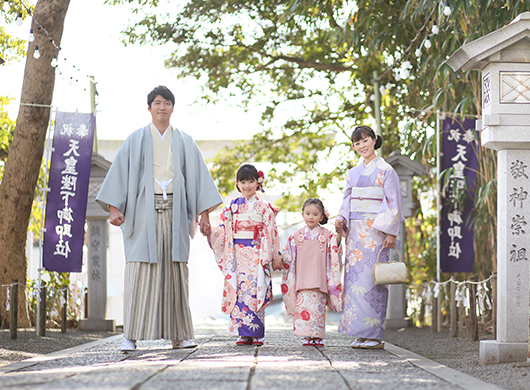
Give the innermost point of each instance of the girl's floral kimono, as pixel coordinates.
(244, 245)
(311, 279)
(371, 209)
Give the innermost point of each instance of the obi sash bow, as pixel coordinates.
(248, 226)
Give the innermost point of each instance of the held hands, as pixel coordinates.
(116, 217)
(277, 263)
(204, 224)
(340, 225)
(390, 241)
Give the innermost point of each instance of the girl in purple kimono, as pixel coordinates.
(244, 246)
(311, 274)
(370, 218)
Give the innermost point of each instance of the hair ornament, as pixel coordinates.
(261, 180)
(326, 212)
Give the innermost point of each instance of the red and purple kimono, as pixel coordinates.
(244, 245)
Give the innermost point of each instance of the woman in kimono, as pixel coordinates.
(311, 274)
(370, 218)
(244, 246)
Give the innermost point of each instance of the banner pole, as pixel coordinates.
(438, 221)
(45, 189)
(438, 195)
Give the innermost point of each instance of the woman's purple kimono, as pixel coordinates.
(371, 209)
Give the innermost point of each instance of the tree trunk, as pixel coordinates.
(22, 168)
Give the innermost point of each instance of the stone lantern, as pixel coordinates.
(97, 240)
(503, 57)
(406, 169)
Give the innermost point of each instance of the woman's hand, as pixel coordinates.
(390, 241)
(340, 226)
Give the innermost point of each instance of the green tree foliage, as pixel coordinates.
(11, 49)
(311, 66)
(14, 49)
(7, 127)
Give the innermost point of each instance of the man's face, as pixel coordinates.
(161, 109)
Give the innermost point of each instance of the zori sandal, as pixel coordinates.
(358, 343)
(307, 341)
(318, 342)
(244, 341)
(258, 342)
(373, 344)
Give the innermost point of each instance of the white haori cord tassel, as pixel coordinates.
(164, 184)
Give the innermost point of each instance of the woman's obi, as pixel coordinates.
(365, 202)
(247, 228)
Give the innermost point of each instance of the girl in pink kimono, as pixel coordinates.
(370, 217)
(311, 274)
(244, 246)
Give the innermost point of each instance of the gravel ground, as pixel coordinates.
(460, 353)
(28, 345)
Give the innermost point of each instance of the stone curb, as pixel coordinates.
(454, 377)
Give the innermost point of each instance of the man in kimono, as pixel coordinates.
(155, 190)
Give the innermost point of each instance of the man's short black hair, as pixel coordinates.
(162, 91)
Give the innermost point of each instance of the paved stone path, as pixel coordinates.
(281, 363)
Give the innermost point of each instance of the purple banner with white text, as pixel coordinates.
(459, 156)
(67, 198)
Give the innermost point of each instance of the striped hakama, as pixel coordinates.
(156, 302)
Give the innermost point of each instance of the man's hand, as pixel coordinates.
(277, 263)
(204, 223)
(116, 217)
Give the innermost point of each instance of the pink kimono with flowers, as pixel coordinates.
(306, 298)
(244, 245)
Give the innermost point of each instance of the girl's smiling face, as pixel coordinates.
(366, 148)
(248, 187)
(312, 215)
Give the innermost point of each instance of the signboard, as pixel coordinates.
(459, 146)
(67, 198)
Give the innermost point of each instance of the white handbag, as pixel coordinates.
(393, 272)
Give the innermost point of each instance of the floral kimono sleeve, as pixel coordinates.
(268, 247)
(289, 275)
(222, 243)
(333, 266)
(389, 217)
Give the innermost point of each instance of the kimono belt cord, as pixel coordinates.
(164, 184)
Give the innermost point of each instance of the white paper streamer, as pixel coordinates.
(436, 290)
(480, 297)
(429, 293)
(465, 296)
(8, 302)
